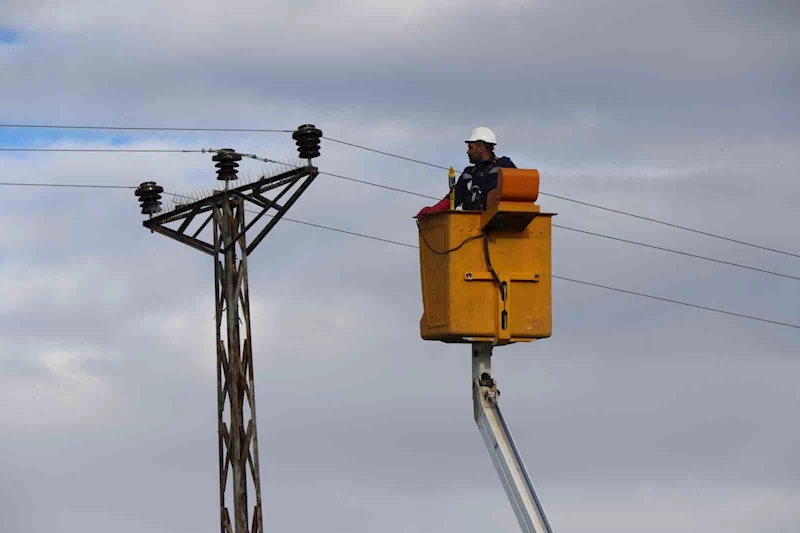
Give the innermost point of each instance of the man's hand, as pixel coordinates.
(443, 205)
(424, 211)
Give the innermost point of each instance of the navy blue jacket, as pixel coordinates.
(476, 181)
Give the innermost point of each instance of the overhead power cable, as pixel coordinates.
(687, 254)
(678, 302)
(130, 150)
(68, 185)
(587, 204)
(398, 243)
(704, 258)
(685, 228)
(385, 153)
(139, 128)
(337, 230)
(389, 154)
(339, 176)
(597, 285)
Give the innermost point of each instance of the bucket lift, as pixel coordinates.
(486, 281)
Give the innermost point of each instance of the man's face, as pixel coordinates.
(475, 152)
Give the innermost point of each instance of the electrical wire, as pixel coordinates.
(749, 317)
(129, 150)
(385, 153)
(451, 250)
(687, 254)
(138, 128)
(677, 302)
(339, 176)
(389, 154)
(704, 258)
(685, 228)
(587, 204)
(597, 285)
(398, 243)
(68, 185)
(337, 230)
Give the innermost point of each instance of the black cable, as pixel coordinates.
(679, 252)
(379, 185)
(434, 198)
(643, 295)
(488, 259)
(465, 241)
(345, 232)
(730, 263)
(677, 302)
(339, 176)
(595, 206)
(137, 128)
(130, 150)
(255, 130)
(385, 153)
(72, 185)
(672, 225)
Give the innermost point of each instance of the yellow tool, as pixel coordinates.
(451, 181)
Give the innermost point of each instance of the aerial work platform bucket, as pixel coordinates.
(486, 274)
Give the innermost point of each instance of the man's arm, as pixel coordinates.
(444, 204)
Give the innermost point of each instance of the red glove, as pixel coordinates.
(443, 205)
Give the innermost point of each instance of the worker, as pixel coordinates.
(477, 180)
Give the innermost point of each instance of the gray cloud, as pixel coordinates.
(645, 415)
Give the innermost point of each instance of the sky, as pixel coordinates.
(636, 415)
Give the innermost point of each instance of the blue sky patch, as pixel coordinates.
(8, 35)
(22, 137)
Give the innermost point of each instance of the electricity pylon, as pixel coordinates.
(237, 435)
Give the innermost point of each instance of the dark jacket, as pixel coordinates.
(476, 181)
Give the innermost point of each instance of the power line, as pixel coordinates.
(363, 182)
(389, 154)
(636, 243)
(137, 128)
(379, 185)
(685, 228)
(385, 153)
(398, 243)
(679, 252)
(130, 150)
(687, 254)
(337, 230)
(678, 302)
(597, 285)
(595, 206)
(69, 185)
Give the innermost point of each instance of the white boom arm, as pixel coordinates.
(497, 437)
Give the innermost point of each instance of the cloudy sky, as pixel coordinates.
(637, 415)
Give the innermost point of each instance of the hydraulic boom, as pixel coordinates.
(497, 437)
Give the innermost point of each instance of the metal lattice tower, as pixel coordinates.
(236, 402)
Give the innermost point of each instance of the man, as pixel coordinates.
(477, 180)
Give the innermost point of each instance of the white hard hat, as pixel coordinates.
(482, 134)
